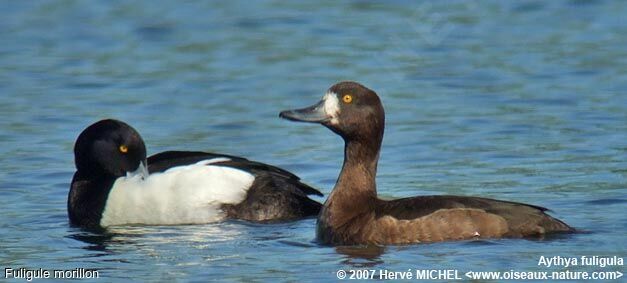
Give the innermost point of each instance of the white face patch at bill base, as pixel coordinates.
(191, 194)
(331, 106)
(141, 172)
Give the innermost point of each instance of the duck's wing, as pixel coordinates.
(168, 159)
(275, 195)
(522, 219)
(415, 207)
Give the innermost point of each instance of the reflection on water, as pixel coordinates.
(94, 241)
(156, 235)
(361, 256)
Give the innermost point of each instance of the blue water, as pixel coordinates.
(516, 100)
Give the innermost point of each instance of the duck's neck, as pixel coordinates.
(360, 168)
(356, 189)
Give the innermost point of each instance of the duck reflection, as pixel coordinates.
(362, 256)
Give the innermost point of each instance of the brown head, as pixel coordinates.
(349, 109)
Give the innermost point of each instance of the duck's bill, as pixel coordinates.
(311, 114)
(141, 172)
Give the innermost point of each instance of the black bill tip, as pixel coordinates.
(288, 115)
(312, 114)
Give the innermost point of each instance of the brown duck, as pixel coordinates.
(354, 215)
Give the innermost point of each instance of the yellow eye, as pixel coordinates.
(123, 148)
(347, 98)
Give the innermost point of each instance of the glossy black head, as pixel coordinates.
(349, 109)
(109, 148)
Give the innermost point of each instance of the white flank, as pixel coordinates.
(189, 194)
(331, 106)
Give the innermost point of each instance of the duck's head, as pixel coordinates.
(349, 109)
(110, 148)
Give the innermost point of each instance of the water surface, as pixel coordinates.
(516, 100)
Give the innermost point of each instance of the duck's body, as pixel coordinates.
(112, 185)
(354, 215)
(274, 195)
(433, 219)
